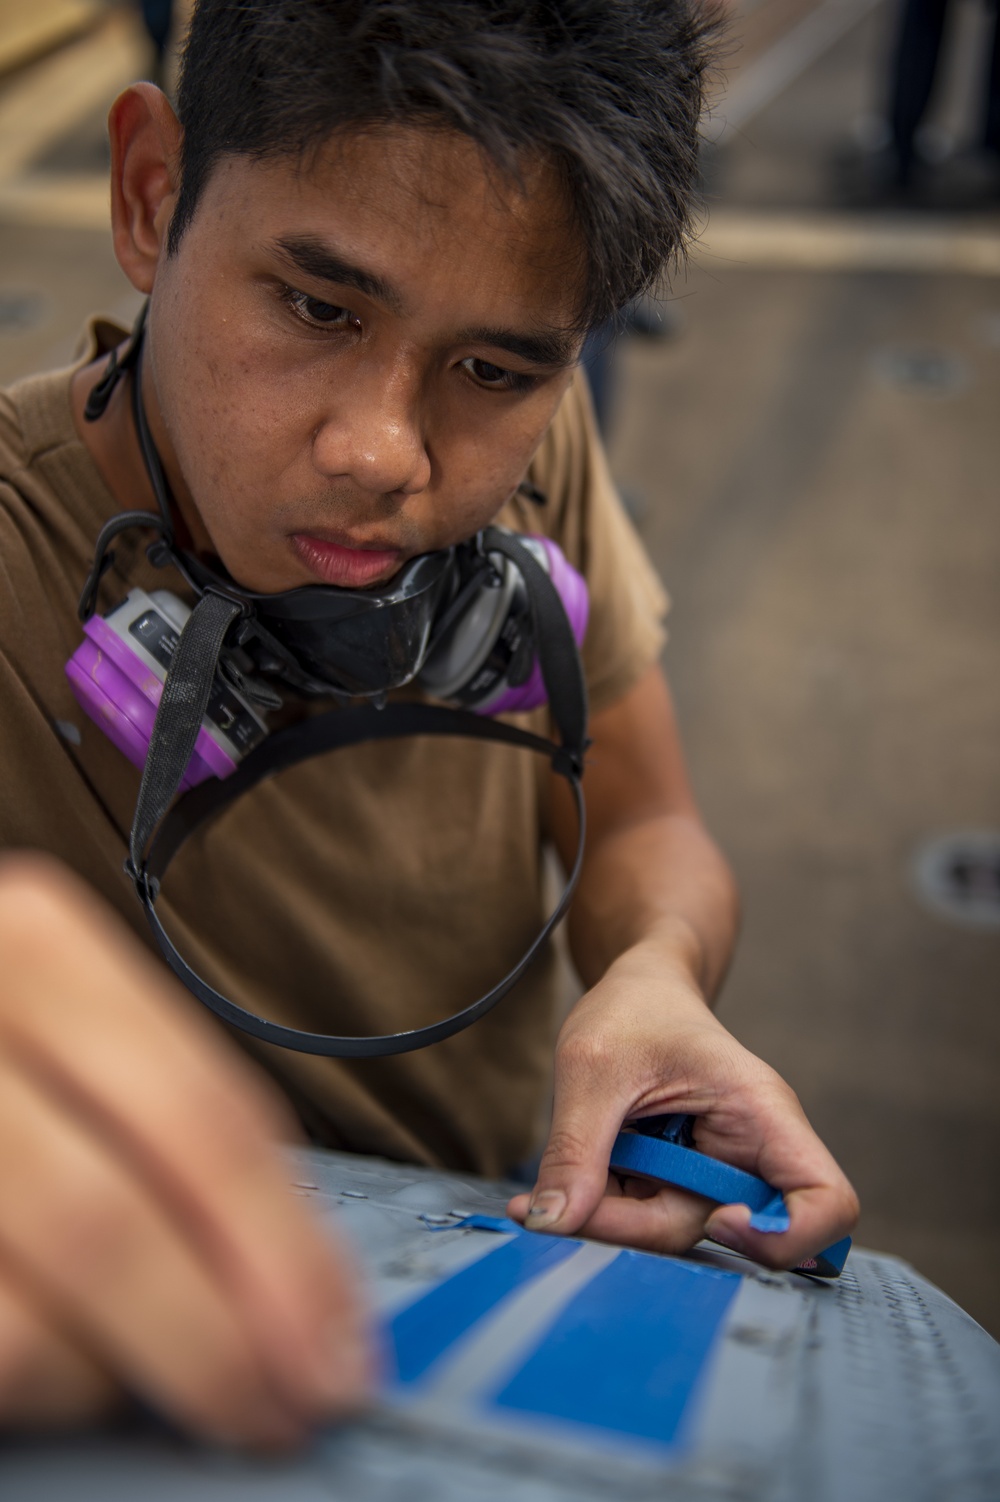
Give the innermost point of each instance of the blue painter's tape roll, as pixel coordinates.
(667, 1162)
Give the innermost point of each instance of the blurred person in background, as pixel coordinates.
(157, 17)
(915, 66)
(896, 163)
(646, 317)
(372, 240)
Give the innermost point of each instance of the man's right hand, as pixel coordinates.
(149, 1240)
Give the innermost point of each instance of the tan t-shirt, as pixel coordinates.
(370, 890)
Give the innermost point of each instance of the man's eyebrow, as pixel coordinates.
(554, 347)
(316, 259)
(557, 347)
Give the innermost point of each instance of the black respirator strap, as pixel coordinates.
(150, 454)
(558, 656)
(327, 732)
(179, 715)
(104, 555)
(100, 396)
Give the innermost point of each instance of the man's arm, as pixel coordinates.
(652, 873)
(651, 930)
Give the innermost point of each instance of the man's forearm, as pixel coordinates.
(662, 885)
(652, 929)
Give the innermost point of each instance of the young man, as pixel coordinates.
(371, 247)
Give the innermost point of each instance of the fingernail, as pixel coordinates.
(545, 1208)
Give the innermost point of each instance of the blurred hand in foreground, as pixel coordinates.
(149, 1240)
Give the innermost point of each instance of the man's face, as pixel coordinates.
(354, 361)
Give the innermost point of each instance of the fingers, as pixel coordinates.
(820, 1216)
(43, 1378)
(573, 1173)
(666, 1221)
(137, 1090)
(637, 1214)
(771, 1136)
(671, 1221)
(108, 1263)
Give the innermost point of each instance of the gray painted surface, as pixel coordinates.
(871, 1388)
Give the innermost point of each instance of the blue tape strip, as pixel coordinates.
(422, 1332)
(669, 1162)
(773, 1217)
(653, 1158)
(626, 1354)
(481, 1223)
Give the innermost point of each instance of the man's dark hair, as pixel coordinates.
(609, 91)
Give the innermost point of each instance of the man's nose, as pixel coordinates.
(373, 432)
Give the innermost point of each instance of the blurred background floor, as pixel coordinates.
(812, 453)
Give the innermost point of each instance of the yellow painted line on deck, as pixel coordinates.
(850, 242)
(731, 240)
(57, 202)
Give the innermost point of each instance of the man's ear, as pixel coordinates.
(145, 176)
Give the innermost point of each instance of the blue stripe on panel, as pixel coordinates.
(422, 1332)
(626, 1354)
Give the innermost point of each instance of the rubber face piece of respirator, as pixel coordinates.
(355, 642)
(484, 658)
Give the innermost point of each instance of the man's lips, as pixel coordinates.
(347, 567)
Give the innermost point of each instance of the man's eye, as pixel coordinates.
(496, 377)
(322, 314)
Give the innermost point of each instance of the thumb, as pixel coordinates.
(573, 1173)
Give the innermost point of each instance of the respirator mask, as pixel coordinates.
(491, 626)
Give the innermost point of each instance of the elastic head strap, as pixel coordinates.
(100, 396)
(178, 719)
(96, 406)
(150, 453)
(326, 732)
(104, 555)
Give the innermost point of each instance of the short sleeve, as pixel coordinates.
(584, 515)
